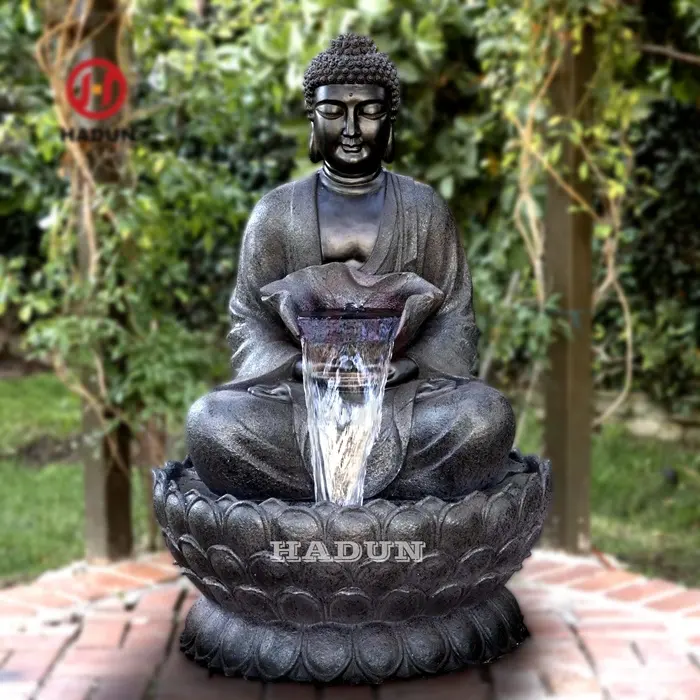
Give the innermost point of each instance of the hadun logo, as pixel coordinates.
(97, 100)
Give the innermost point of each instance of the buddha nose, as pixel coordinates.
(351, 129)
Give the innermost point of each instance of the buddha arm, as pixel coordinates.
(448, 341)
(260, 342)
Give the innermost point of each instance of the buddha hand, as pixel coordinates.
(400, 371)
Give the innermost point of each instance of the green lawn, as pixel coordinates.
(34, 406)
(637, 516)
(42, 509)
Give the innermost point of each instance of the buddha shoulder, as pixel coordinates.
(274, 204)
(426, 198)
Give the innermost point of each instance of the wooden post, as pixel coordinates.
(108, 522)
(152, 451)
(568, 389)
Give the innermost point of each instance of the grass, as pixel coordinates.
(42, 509)
(33, 406)
(636, 515)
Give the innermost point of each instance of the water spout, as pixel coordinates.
(346, 358)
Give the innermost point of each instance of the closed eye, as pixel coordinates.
(373, 110)
(330, 111)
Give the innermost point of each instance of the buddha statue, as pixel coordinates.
(444, 433)
(383, 251)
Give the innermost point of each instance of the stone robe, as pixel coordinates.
(444, 433)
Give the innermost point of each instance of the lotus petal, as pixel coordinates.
(273, 507)
(352, 524)
(511, 555)
(545, 470)
(189, 631)
(526, 541)
(410, 524)
(486, 585)
(174, 550)
(206, 643)
(223, 503)
(299, 524)
(327, 578)
(255, 603)
(203, 522)
(197, 581)
(246, 530)
(325, 509)
(236, 646)
(515, 485)
(474, 563)
(531, 499)
(379, 577)
(444, 599)
(350, 606)
(462, 526)
(280, 646)
(495, 629)
(194, 556)
(532, 537)
(159, 495)
(227, 566)
(175, 513)
(190, 497)
(381, 508)
(434, 570)
(401, 604)
(326, 650)
(501, 519)
(425, 645)
(378, 651)
(464, 635)
(432, 505)
(300, 607)
(220, 593)
(268, 573)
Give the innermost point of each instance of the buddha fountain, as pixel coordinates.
(353, 424)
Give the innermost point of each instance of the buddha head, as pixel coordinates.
(352, 96)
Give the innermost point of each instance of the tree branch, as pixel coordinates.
(671, 53)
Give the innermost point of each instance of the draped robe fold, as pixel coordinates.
(417, 233)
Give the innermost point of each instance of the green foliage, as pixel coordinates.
(661, 254)
(152, 321)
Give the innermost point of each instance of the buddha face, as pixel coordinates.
(352, 127)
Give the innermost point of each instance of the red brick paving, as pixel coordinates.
(644, 590)
(597, 633)
(677, 602)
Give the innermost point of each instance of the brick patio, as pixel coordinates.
(110, 633)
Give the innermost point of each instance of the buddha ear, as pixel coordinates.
(314, 154)
(389, 151)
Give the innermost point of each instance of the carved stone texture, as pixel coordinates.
(352, 621)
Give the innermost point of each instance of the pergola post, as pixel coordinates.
(107, 469)
(568, 266)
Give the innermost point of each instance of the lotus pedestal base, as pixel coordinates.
(368, 653)
(360, 621)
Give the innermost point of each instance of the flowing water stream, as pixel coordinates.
(346, 358)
